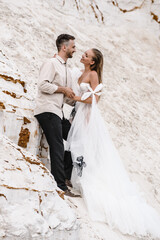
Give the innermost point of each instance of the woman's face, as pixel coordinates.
(87, 57)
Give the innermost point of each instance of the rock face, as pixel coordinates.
(30, 205)
(127, 33)
(16, 109)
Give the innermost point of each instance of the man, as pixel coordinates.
(54, 79)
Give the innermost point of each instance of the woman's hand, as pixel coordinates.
(76, 98)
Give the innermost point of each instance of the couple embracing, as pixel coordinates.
(55, 87)
(98, 171)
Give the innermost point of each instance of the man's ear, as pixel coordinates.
(63, 47)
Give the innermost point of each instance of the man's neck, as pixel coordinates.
(62, 55)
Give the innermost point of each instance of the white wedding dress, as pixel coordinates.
(109, 194)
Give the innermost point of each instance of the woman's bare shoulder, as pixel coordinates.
(93, 77)
(93, 74)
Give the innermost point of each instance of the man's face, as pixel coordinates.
(70, 48)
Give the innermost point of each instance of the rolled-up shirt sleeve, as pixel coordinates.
(46, 77)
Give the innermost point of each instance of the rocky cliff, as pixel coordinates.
(127, 33)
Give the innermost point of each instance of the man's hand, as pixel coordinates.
(69, 92)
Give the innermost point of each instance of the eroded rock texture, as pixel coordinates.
(30, 204)
(127, 33)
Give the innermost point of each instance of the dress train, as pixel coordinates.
(108, 193)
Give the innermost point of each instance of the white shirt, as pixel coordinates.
(52, 74)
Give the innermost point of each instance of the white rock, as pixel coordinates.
(30, 205)
(127, 32)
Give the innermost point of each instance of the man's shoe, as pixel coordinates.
(68, 183)
(68, 193)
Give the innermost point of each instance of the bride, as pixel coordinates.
(99, 173)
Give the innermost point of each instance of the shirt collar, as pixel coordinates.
(60, 59)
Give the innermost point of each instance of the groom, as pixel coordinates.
(54, 84)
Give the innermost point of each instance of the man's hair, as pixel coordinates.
(61, 39)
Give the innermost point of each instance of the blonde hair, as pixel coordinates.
(98, 63)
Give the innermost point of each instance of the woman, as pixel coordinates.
(99, 173)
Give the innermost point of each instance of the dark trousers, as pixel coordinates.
(55, 130)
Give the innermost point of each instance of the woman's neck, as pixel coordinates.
(87, 69)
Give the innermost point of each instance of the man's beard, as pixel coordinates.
(69, 55)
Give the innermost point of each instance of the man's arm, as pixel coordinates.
(46, 76)
(66, 91)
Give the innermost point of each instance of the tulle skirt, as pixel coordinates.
(109, 194)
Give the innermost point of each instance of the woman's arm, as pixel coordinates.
(78, 99)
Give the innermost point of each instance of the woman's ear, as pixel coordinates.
(92, 62)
